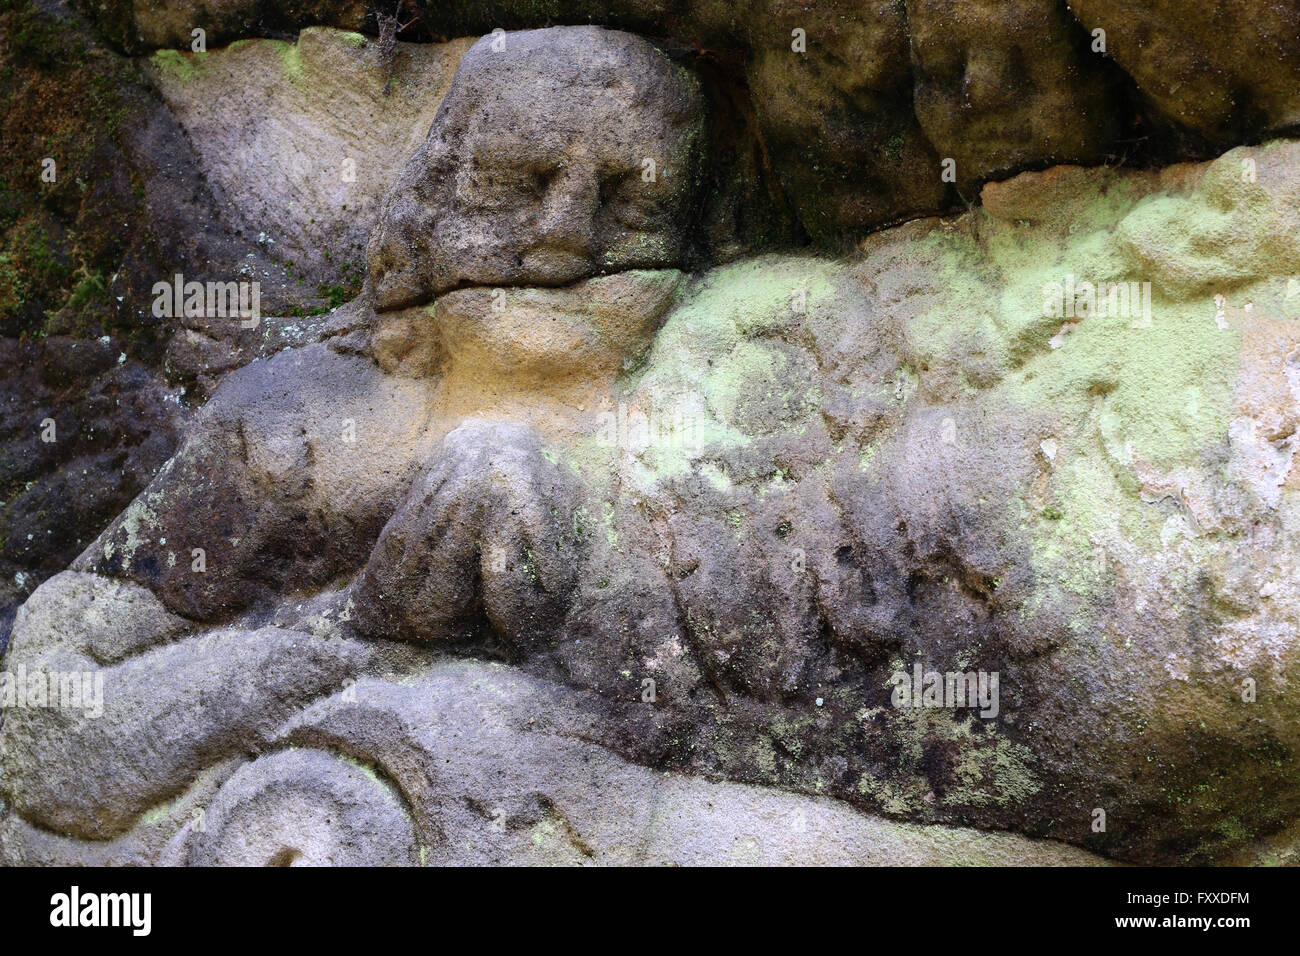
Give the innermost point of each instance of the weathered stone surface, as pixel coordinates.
(304, 808)
(838, 117)
(82, 429)
(546, 339)
(499, 516)
(857, 118)
(268, 494)
(316, 136)
(1223, 70)
(877, 472)
(102, 196)
(713, 522)
(138, 25)
(164, 714)
(496, 772)
(1066, 499)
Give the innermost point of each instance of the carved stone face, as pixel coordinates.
(557, 155)
(995, 82)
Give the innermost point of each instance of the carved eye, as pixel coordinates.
(626, 199)
(610, 187)
(623, 192)
(493, 187)
(540, 180)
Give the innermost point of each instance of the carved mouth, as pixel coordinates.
(555, 265)
(399, 290)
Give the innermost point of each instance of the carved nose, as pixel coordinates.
(395, 287)
(393, 273)
(989, 76)
(569, 210)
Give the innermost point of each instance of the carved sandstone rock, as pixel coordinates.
(710, 522)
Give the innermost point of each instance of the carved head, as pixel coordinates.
(557, 155)
(993, 81)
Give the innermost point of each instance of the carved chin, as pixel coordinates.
(542, 335)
